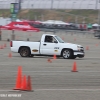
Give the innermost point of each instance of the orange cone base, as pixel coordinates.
(26, 90)
(17, 89)
(23, 89)
(49, 61)
(74, 71)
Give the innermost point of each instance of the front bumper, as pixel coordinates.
(79, 54)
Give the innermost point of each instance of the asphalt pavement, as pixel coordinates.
(52, 81)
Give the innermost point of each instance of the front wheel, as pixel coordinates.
(24, 52)
(67, 54)
(73, 57)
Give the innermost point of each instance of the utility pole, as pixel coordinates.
(76, 21)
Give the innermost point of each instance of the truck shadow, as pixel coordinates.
(48, 57)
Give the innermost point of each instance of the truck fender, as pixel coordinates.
(22, 47)
(64, 49)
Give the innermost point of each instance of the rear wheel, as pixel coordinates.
(67, 54)
(24, 52)
(31, 55)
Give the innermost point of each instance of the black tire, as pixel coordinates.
(67, 54)
(31, 55)
(24, 52)
(73, 57)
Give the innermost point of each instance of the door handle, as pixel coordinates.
(44, 44)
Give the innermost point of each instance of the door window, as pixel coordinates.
(50, 39)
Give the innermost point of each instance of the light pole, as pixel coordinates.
(51, 4)
(96, 4)
(98, 14)
(76, 17)
(84, 20)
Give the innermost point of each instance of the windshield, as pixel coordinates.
(59, 39)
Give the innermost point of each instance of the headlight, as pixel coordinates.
(78, 48)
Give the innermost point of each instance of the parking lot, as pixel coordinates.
(52, 81)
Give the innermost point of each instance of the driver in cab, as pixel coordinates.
(49, 39)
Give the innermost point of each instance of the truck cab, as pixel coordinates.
(50, 44)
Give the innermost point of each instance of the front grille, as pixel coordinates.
(82, 49)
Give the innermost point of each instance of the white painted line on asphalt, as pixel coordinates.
(53, 90)
(52, 71)
(90, 71)
(67, 90)
(91, 57)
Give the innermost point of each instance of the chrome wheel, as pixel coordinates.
(67, 54)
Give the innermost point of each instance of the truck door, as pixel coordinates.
(50, 46)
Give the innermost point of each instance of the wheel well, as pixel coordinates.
(64, 49)
(25, 47)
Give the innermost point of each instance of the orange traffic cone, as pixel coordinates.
(18, 79)
(62, 38)
(30, 34)
(10, 55)
(54, 57)
(49, 60)
(5, 45)
(1, 46)
(96, 44)
(17, 37)
(24, 84)
(71, 33)
(74, 69)
(29, 87)
(87, 48)
(74, 39)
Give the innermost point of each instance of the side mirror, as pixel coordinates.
(55, 42)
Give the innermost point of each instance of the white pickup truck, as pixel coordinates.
(49, 45)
